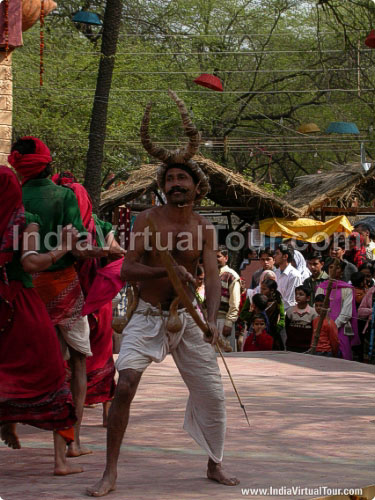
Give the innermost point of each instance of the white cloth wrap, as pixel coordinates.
(145, 340)
(77, 336)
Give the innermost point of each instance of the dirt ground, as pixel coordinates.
(312, 425)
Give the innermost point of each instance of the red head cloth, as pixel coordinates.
(12, 213)
(67, 179)
(84, 203)
(63, 178)
(30, 165)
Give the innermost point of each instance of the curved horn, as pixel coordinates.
(154, 150)
(184, 154)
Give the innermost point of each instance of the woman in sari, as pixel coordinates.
(32, 377)
(342, 309)
(100, 366)
(275, 312)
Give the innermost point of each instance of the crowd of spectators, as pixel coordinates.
(280, 309)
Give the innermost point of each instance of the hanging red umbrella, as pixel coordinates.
(210, 81)
(370, 40)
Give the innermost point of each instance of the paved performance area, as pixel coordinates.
(312, 424)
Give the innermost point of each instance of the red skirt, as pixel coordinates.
(100, 366)
(32, 376)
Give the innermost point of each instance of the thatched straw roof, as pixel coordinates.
(339, 185)
(228, 189)
(141, 181)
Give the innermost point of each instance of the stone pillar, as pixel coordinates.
(6, 104)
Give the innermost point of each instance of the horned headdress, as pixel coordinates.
(181, 156)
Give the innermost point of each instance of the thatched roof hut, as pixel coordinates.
(228, 190)
(338, 187)
(141, 181)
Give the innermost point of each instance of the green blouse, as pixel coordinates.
(102, 230)
(14, 269)
(56, 207)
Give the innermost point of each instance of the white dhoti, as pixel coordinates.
(77, 336)
(145, 339)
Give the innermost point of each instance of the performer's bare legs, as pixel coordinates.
(62, 468)
(106, 407)
(117, 422)
(78, 386)
(9, 436)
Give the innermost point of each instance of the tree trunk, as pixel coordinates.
(111, 28)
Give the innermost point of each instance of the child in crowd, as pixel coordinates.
(258, 305)
(328, 344)
(258, 339)
(299, 321)
(315, 263)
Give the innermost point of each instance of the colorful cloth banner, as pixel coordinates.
(309, 230)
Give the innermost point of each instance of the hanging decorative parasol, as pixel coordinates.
(370, 40)
(86, 17)
(342, 128)
(308, 128)
(210, 81)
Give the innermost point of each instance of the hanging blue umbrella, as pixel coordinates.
(86, 17)
(342, 128)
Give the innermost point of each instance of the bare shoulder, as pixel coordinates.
(208, 230)
(141, 220)
(205, 223)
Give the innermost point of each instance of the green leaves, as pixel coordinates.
(282, 63)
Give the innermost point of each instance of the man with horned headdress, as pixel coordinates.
(159, 325)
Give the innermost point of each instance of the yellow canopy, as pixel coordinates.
(309, 230)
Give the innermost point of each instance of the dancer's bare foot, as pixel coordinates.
(102, 487)
(75, 450)
(9, 436)
(67, 469)
(216, 473)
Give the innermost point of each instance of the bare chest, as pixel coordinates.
(185, 244)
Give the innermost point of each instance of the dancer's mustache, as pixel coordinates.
(177, 189)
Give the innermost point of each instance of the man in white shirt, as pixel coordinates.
(287, 276)
(299, 261)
